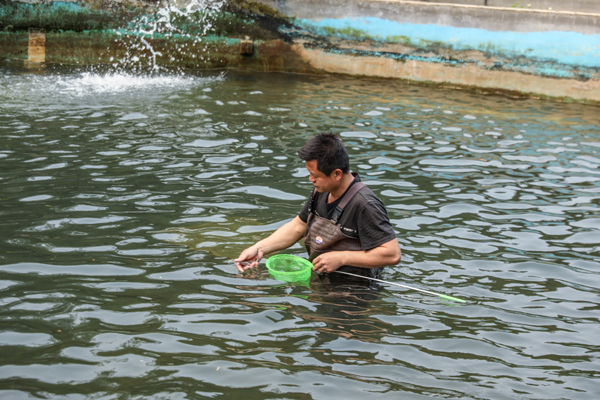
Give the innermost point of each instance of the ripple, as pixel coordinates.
(358, 134)
(57, 224)
(268, 192)
(383, 160)
(123, 286)
(8, 338)
(133, 116)
(40, 197)
(210, 143)
(226, 160)
(81, 270)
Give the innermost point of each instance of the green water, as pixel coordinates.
(124, 199)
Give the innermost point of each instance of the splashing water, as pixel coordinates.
(112, 83)
(15, 87)
(182, 27)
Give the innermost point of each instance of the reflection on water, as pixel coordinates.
(124, 199)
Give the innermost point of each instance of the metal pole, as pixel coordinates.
(443, 296)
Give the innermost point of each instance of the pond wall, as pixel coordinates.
(524, 49)
(143, 34)
(586, 6)
(528, 51)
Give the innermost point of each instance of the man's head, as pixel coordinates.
(328, 151)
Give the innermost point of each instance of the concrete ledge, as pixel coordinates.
(458, 16)
(467, 76)
(585, 6)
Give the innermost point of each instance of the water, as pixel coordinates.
(124, 199)
(171, 22)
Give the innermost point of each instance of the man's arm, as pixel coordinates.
(386, 254)
(281, 239)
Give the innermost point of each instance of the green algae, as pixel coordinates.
(14, 45)
(61, 16)
(238, 18)
(254, 8)
(349, 33)
(86, 36)
(399, 39)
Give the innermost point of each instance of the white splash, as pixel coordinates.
(93, 83)
(141, 52)
(112, 83)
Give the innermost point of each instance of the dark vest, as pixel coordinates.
(324, 235)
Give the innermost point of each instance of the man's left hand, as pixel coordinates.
(327, 262)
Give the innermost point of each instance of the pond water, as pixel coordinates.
(124, 199)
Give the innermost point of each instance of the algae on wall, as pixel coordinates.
(237, 18)
(140, 34)
(62, 16)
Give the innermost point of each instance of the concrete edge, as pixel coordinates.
(510, 83)
(469, 6)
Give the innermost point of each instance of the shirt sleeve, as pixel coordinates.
(304, 212)
(374, 226)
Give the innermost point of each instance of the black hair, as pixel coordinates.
(329, 152)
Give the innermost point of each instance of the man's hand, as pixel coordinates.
(284, 237)
(328, 262)
(386, 254)
(249, 258)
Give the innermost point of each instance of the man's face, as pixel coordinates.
(323, 183)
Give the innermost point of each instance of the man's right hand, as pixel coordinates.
(249, 258)
(284, 237)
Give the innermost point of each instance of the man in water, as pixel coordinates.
(344, 225)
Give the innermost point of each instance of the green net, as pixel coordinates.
(289, 268)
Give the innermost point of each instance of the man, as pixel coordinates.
(344, 225)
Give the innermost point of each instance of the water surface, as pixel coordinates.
(124, 199)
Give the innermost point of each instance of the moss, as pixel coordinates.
(225, 23)
(96, 36)
(239, 18)
(433, 45)
(350, 33)
(253, 8)
(257, 20)
(398, 39)
(14, 45)
(60, 17)
(488, 48)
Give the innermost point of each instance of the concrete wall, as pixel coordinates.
(458, 16)
(536, 52)
(585, 6)
(137, 35)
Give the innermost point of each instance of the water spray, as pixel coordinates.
(169, 20)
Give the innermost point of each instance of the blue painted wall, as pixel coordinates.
(551, 53)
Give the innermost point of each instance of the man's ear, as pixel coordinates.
(338, 174)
